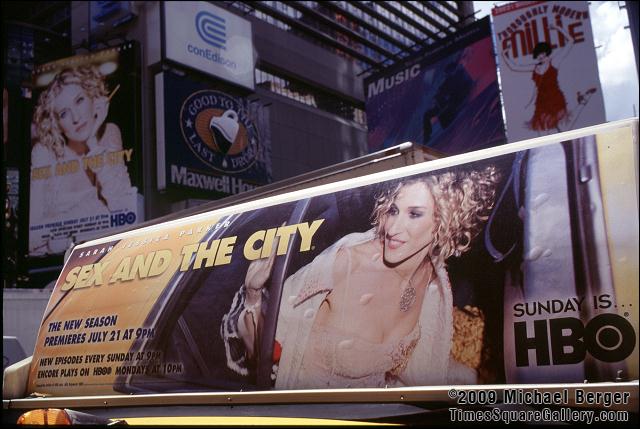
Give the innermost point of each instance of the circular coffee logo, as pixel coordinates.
(217, 128)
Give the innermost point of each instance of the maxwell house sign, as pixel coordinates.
(209, 39)
(217, 128)
(210, 143)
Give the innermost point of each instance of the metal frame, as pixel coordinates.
(441, 32)
(310, 31)
(339, 27)
(393, 9)
(429, 5)
(376, 15)
(446, 30)
(364, 24)
(408, 395)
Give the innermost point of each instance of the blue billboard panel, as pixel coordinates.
(446, 99)
(211, 143)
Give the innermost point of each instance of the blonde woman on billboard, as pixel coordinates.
(375, 309)
(72, 174)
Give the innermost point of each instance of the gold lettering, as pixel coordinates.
(268, 242)
(141, 266)
(160, 263)
(93, 162)
(307, 232)
(99, 268)
(84, 276)
(206, 254)
(41, 173)
(285, 232)
(187, 252)
(122, 272)
(69, 167)
(70, 280)
(250, 252)
(224, 253)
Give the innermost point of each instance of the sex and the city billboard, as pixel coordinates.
(85, 151)
(501, 266)
(446, 99)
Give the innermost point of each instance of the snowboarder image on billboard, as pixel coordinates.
(551, 112)
(449, 98)
(374, 309)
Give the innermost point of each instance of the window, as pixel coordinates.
(309, 95)
(398, 15)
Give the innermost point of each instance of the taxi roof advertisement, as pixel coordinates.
(501, 266)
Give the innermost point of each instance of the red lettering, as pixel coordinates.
(573, 29)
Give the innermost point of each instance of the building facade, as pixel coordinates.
(310, 59)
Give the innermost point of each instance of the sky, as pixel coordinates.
(616, 63)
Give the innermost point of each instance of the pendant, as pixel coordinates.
(407, 298)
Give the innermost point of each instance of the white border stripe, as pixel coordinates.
(372, 178)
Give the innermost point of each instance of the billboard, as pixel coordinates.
(107, 16)
(447, 99)
(548, 67)
(85, 149)
(209, 39)
(5, 118)
(498, 266)
(211, 143)
(10, 234)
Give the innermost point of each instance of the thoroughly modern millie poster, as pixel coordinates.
(548, 67)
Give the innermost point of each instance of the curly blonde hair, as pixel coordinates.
(463, 201)
(48, 128)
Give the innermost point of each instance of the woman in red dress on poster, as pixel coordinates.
(551, 112)
(551, 106)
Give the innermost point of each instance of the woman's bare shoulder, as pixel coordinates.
(112, 138)
(362, 254)
(41, 155)
(367, 248)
